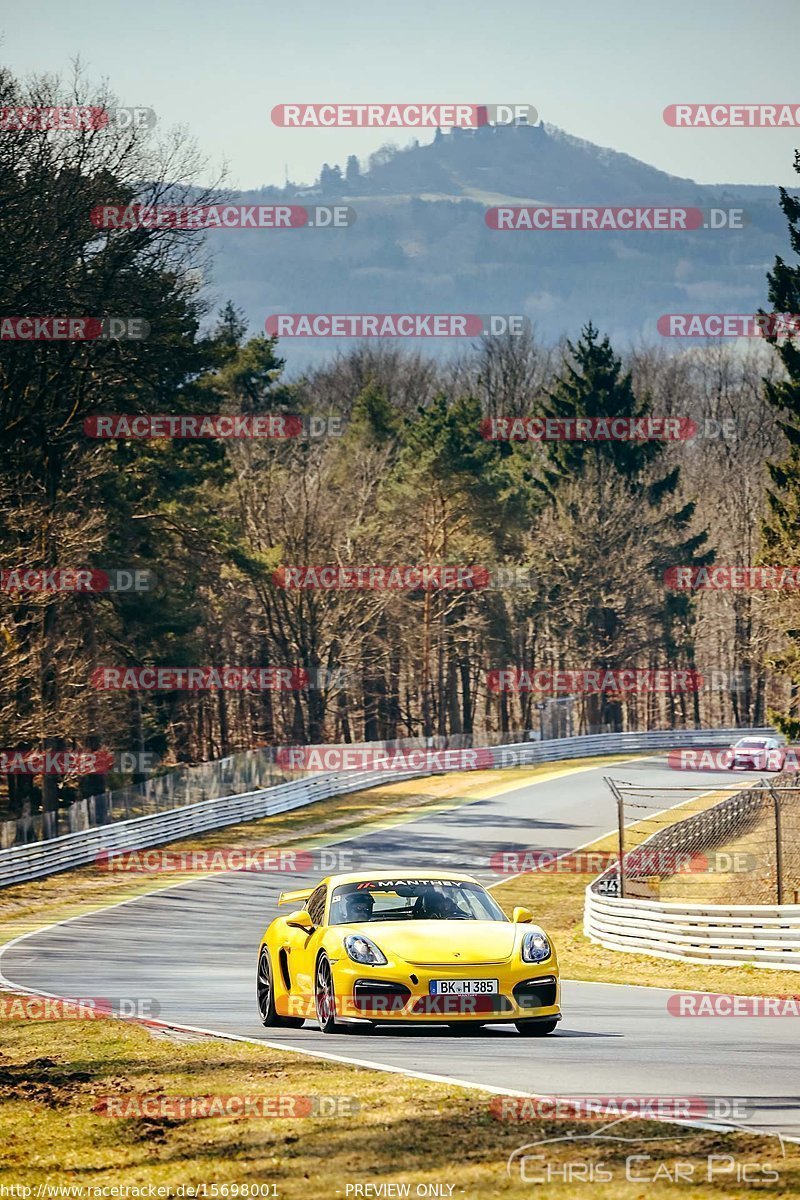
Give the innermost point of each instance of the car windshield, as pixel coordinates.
(751, 744)
(412, 899)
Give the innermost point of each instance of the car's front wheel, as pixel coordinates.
(325, 998)
(265, 995)
(536, 1028)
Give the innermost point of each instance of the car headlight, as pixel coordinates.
(535, 946)
(362, 950)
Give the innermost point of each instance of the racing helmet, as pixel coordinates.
(358, 906)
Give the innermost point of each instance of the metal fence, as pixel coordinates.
(37, 859)
(236, 775)
(744, 848)
(186, 785)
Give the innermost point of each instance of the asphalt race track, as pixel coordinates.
(192, 949)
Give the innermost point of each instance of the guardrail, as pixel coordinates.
(234, 775)
(19, 864)
(759, 935)
(762, 935)
(242, 773)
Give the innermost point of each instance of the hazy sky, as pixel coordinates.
(601, 71)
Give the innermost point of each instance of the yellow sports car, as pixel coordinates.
(359, 949)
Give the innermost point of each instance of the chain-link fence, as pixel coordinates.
(235, 775)
(734, 845)
(185, 785)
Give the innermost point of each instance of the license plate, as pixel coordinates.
(464, 987)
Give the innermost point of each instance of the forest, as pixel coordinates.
(380, 457)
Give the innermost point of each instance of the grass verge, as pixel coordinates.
(425, 1135)
(405, 1131)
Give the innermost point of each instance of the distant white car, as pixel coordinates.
(758, 754)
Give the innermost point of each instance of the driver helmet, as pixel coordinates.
(436, 904)
(359, 906)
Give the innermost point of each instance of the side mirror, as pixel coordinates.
(521, 914)
(301, 919)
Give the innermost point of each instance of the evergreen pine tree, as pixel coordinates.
(783, 497)
(593, 384)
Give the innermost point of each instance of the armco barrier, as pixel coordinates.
(21, 863)
(762, 935)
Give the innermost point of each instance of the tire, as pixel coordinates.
(325, 998)
(265, 996)
(536, 1028)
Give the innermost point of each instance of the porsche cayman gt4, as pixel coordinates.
(362, 949)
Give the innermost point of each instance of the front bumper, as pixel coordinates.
(401, 992)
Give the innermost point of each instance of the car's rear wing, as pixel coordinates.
(295, 897)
